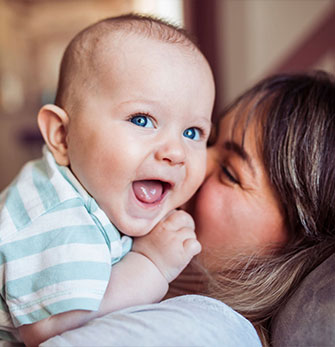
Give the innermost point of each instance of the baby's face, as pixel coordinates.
(138, 142)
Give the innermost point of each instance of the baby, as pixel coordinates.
(125, 146)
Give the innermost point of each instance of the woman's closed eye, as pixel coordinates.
(229, 175)
(142, 120)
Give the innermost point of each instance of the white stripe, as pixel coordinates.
(28, 193)
(59, 255)
(7, 227)
(101, 215)
(59, 219)
(88, 289)
(65, 189)
(116, 249)
(75, 183)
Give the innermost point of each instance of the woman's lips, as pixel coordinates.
(150, 191)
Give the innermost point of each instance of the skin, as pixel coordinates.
(236, 210)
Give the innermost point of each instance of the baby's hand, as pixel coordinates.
(171, 244)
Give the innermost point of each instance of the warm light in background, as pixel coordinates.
(170, 10)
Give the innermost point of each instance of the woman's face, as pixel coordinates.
(236, 209)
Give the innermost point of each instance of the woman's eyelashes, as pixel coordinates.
(229, 175)
(142, 120)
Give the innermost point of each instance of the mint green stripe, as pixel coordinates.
(45, 188)
(3, 306)
(58, 307)
(7, 336)
(79, 270)
(16, 208)
(68, 204)
(85, 234)
(104, 230)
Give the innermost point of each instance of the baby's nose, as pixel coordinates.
(173, 152)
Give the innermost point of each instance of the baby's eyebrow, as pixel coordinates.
(237, 149)
(206, 122)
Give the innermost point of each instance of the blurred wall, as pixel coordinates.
(256, 36)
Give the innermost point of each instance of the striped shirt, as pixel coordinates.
(56, 246)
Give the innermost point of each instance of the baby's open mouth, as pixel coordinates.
(150, 191)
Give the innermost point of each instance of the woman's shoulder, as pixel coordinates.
(189, 320)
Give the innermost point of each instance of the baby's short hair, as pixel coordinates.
(83, 48)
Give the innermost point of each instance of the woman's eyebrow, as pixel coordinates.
(237, 149)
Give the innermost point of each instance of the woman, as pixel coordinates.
(265, 214)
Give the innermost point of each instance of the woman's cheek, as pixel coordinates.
(208, 213)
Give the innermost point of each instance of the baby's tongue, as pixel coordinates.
(148, 191)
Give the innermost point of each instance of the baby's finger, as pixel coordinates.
(179, 219)
(185, 233)
(192, 247)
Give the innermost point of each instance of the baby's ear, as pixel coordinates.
(53, 123)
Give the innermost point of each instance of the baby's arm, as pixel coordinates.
(141, 277)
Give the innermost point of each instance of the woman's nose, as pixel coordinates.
(172, 151)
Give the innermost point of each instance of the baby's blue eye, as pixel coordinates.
(192, 133)
(142, 121)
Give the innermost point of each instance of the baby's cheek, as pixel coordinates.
(201, 169)
(195, 175)
(198, 179)
(211, 161)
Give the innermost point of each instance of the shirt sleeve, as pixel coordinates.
(60, 263)
(190, 320)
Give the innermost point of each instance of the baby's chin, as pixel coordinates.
(137, 227)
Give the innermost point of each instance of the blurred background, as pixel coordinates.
(244, 40)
